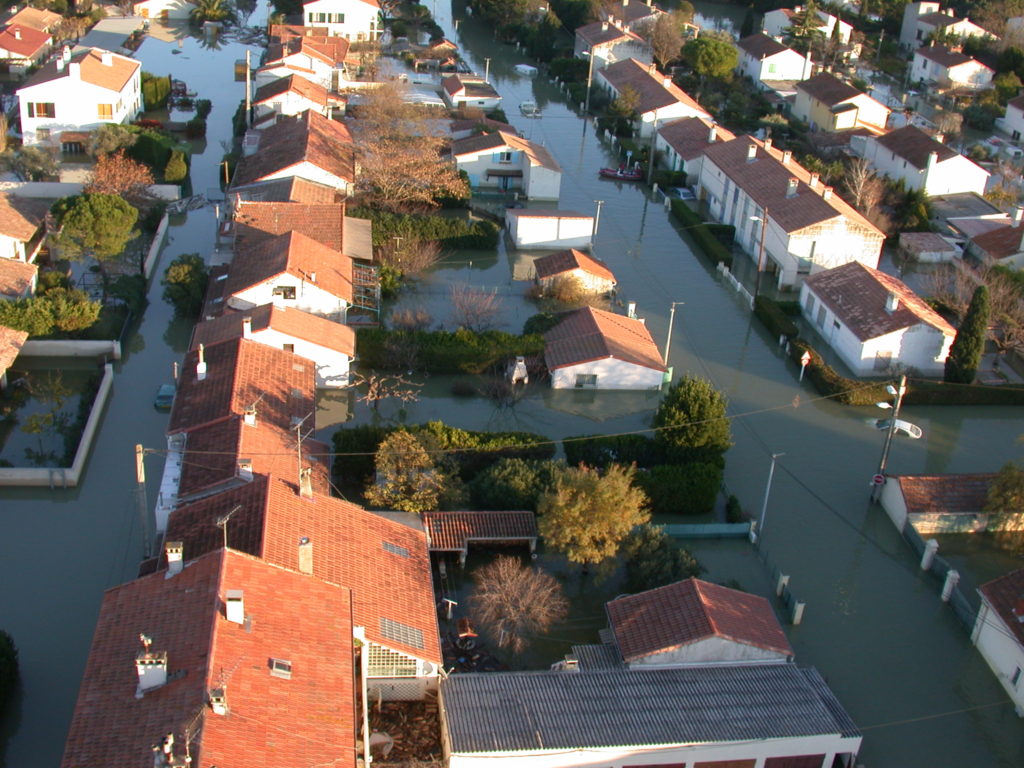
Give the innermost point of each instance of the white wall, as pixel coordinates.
(361, 20)
(155, 9)
(909, 37)
(611, 374)
(893, 502)
(776, 23)
(953, 176)
(12, 248)
(619, 50)
(785, 65)
(544, 232)
(1013, 122)
(710, 650)
(541, 182)
(589, 282)
(332, 366)
(313, 70)
(1001, 651)
(306, 170)
(664, 114)
(537, 182)
(308, 297)
(288, 103)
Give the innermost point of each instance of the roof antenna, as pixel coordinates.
(222, 522)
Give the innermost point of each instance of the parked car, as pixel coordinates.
(164, 397)
(681, 193)
(904, 428)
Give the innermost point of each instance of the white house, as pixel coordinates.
(22, 47)
(164, 10)
(469, 91)
(321, 59)
(873, 321)
(922, 162)
(928, 247)
(680, 143)
(826, 103)
(330, 345)
(764, 59)
(630, 14)
(594, 349)
(809, 228)
(694, 622)
(22, 227)
(290, 96)
(291, 271)
(946, 68)
(1013, 121)
(659, 98)
(17, 279)
(716, 717)
(37, 18)
(11, 342)
(79, 92)
(777, 24)
(549, 229)
(939, 503)
(923, 20)
(999, 633)
(592, 275)
(355, 20)
(608, 44)
(508, 163)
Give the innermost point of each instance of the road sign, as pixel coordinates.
(878, 480)
(805, 358)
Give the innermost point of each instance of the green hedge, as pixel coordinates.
(772, 315)
(450, 232)
(829, 382)
(155, 90)
(707, 236)
(460, 351)
(615, 449)
(681, 489)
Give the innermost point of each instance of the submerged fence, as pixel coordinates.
(936, 565)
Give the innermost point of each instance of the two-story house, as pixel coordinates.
(22, 47)
(164, 10)
(764, 60)
(288, 96)
(680, 143)
(659, 99)
(949, 68)
(505, 162)
(777, 23)
(319, 58)
(923, 20)
(608, 44)
(630, 14)
(79, 92)
(922, 162)
(356, 20)
(37, 18)
(999, 633)
(828, 104)
(787, 221)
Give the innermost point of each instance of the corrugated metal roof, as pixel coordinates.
(597, 656)
(536, 711)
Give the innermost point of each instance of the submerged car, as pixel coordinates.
(164, 397)
(904, 428)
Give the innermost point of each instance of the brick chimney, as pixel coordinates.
(201, 364)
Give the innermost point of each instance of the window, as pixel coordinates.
(835, 325)
(41, 109)
(286, 292)
(383, 662)
(821, 316)
(105, 111)
(771, 68)
(1015, 678)
(337, 18)
(504, 157)
(586, 380)
(281, 668)
(809, 304)
(288, 347)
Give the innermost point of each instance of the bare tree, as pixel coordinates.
(665, 36)
(475, 308)
(865, 188)
(410, 257)
(516, 602)
(381, 387)
(414, 319)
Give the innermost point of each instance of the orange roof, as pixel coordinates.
(11, 342)
(305, 720)
(331, 50)
(592, 334)
(113, 76)
(36, 18)
(256, 222)
(688, 136)
(654, 89)
(675, 615)
(383, 562)
(309, 137)
(928, 494)
(486, 142)
(452, 531)
(294, 189)
(292, 84)
(603, 32)
(291, 322)
(240, 374)
(569, 260)
(295, 254)
(21, 217)
(1006, 596)
(1001, 241)
(23, 41)
(16, 278)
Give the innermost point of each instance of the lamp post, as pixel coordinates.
(487, 70)
(590, 77)
(763, 218)
(767, 492)
(671, 322)
(897, 393)
(597, 219)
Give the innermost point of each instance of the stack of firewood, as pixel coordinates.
(415, 729)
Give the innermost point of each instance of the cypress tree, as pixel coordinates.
(965, 353)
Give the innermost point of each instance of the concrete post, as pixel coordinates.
(930, 548)
(781, 584)
(952, 579)
(798, 613)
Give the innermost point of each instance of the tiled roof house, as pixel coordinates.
(681, 142)
(939, 503)
(922, 162)
(455, 531)
(469, 91)
(22, 46)
(949, 68)
(826, 103)
(999, 632)
(508, 162)
(17, 279)
(659, 98)
(11, 342)
(22, 226)
(289, 96)
(570, 264)
(766, 61)
(608, 43)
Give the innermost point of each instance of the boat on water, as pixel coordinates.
(622, 173)
(529, 109)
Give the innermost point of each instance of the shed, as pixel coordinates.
(929, 247)
(453, 531)
(593, 275)
(549, 228)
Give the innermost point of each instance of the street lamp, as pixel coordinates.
(767, 492)
(597, 219)
(763, 218)
(590, 77)
(671, 322)
(897, 394)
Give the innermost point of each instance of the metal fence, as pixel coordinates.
(708, 531)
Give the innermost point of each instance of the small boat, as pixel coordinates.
(622, 173)
(529, 109)
(525, 69)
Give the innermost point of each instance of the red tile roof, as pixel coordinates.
(944, 57)
(11, 342)
(240, 374)
(489, 142)
(925, 494)
(452, 531)
(21, 217)
(291, 190)
(1001, 241)
(592, 334)
(828, 89)
(688, 136)
(330, 50)
(114, 76)
(303, 721)
(1006, 596)
(295, 254)
(472, 85)
(914, 145)
(631, 11)
(256, 222)
(349, 549)
(291, 322)
(291, 84)
(560, 262)
(23, 41)
(675, 615)
(857, 295)
(16, 277)
(654, 89)
(603, 32)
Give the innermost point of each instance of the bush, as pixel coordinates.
(185, 283)
(60, 309)
(449, 232)
(155, 90)
(362, 440)
(771, 314)
(461, 351)
(733, 510)
(541, 323)
(195, 128)
(130, 289)
(615, 449)
(829, 382)
(176, 169)
(153, 149)
(681, 489)
(203, 108)
(8, 667)
(982, 117)
(707, 237)
(513, 484)
(239, 122)
(569, 70)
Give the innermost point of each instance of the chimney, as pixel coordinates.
(219, 701)
(712, 134)
(666, 81)
(175, 552)
(201, 365)
(246, 327)
(74, 70)
(151, 667)
(767, 143)
(245, 469)
(625, 3)
(787, 155)
(306, 556)
(60, 64)
(65, 54)
(791, 186)
(306, 483)
(249, 416)
(826, 193)
(234, 606)
(312, 277)
(940, 137)
(813, 183)
(604, 26)
(17, 33)
(107, 59)
(1018, 215)
(751, 153)
(892, 302)
(631, 310)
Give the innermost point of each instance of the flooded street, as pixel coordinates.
(874, 626)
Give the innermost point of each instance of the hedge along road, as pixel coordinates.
(894, 654)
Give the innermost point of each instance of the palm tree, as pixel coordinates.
(211, 10)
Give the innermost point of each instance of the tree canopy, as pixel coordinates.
(653, 559)
(965, 352)
(184, 282)
(515, 602)
(710, 57)
(1006, 492)
(413, 475)
(692, 423)
(94, 225)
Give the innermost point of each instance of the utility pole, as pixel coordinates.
(671, 322)
(767, 492)
(141, 503)
(248, 88)
(760, 251)
(487, 70)
(901, 390)
(597, 219)
(650, 151)
(590, 78)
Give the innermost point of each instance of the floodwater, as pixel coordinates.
(874, 626)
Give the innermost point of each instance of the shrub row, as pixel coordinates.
(681, 489)
(155, 90)
(60, 309)
(772, 315)
(461, 351)
(707, 236)
(831, 383)
(449, 232)
(615, 449)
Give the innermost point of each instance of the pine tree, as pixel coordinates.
(965, 353)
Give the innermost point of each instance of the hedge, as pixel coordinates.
(450, 232)
(704, 234)
(681, 489)
(772, 315)
(461, 351)
(618, 449)
(830, 383)
(155, 90)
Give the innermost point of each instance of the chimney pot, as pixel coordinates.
(787, 155)
(940, 137)
(245, 469)
(249, 417)
(74, 70)
(306, 483)
(813, 183)
(604, 27)
(305, 556)
(892, 302)
(1018, 215)
(201, 364)
(767, 143)
(826, 193)
(175, 551)
(107, 59)
(751, 152)
(666, 81)
(246, 327)
(219, 701)
(17, 33)
(151, 667)
(234, 606)
(792, 186)
(712, 134)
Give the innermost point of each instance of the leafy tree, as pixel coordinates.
(185, 281)
(586, 515)
(94, 225)
(1007, 85)
(709, 57)
(1006, 491)
(155, 90)
(513, 483)
(109, 138)
(32, 163)
(117, 174)
(176, 169)
(59, 309)
(413, 475)
(691, 421)
(8, 667)
(516, 602)
(965, 353)
(653, 559)
(682, 489)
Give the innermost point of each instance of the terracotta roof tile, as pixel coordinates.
(688, 136)
(291, 84)
(295, 254)
(760, 46)
(36, 18)
(1001, 241)
(592, 334)
(649, 84)
(1006, 596)
(828, 89)
(675, 615)
(1017, 102)
(256, 222)
(938, 19)
(944, 493)
(11, 342)
(348, 549)
(471, 85)
(23, 41)
(857, 294)
(242, 373)
(914, 146)
(16, 277)
(21, 217)
(631, 11)
(602, 33)
(569, 260)
(114, 76)
(291, 322)
(537, 154)
(294, 189)
(309, 137)
(943, 56)
(452, 531)
(305, 720)
(481, 123)
(332, 50)
(923, 242)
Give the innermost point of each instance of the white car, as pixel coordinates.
(904, 428)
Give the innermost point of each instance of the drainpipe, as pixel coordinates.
(364, 667)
